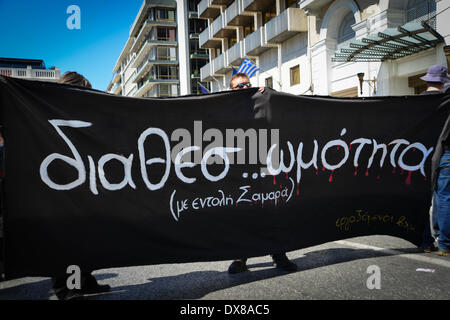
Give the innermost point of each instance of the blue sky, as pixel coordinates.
(33, 29)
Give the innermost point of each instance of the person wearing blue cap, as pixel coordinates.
(436, 79)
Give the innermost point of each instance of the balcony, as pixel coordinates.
(142, 54)
(145, 50)
(255, 43)
(146, 66)
(145, 30)
(286, 25)
(220, 65)
(205, 40)
(206, 9)
(256, 5)
(199, 55)
(150, 82)
(236, 54)
(236, 15)
(116, 88)
(206, 72)
(116, 77)
(218, 29)
(313, 4)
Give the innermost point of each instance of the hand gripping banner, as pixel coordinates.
(98, 180)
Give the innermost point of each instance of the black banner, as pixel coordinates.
(98, 180)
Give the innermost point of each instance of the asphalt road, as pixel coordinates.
(337, 270)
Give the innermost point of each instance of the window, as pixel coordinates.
(269, 13)
(345, 30)
(295, 75)
(166, 34)
(165, 14)
(269, 82)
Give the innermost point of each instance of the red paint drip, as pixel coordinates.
(323, 168)
(393, 171)
(274, 180)
(298, 188)
(350, 147)
(330, 179)
(287, 175)
(356, 171)
(317, 172)
(408, 178)
(367, 172)
(338, 147)
(378, 177)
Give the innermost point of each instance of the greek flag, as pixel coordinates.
(202, 88)
(248, 67)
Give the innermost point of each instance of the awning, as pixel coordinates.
(391, 44)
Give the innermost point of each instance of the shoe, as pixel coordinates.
(98, 288)
(444, 252)
(237, 266)
(66, 294)
(282, 262)
(429, 249)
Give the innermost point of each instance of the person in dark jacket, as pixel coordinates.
(436, 79)
(89, 284)
(238, 82)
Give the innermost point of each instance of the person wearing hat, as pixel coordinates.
(436, 79)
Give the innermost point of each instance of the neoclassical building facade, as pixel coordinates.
(295, 44)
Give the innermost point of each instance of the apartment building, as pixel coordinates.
(161, 57)
(32, 69)
(321, 46)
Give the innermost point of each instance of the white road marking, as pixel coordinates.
(417, 257)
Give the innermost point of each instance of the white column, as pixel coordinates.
(183, 47)
(322, 52)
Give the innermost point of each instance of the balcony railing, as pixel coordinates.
(255, 43)
(206, 72)
(205, 40)
(38, 74)
(219, 28)
(236, 53)
(287, 24)
(236, 15)
(217, 25)
(206, 9)
(220, 64)
(151, 82)
(151, 61)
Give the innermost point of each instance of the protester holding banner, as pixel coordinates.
(89, 284)
(241, 81)
(436, 79)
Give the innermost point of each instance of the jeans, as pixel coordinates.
(441, 207)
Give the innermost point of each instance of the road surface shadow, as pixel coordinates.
(38, 290)
(197, 284)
